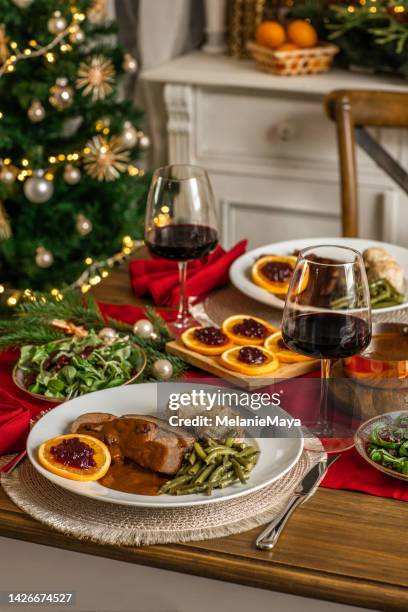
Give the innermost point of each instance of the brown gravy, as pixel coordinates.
(131, 478)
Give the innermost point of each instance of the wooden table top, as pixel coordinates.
(340, 546)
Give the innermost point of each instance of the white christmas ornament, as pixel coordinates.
(143, 328)
(83, 225)
(37, 189)
(162, 369)
(57, 23)
(43, 258)
(72, 174)
(107, 334)
(128, 136)
(36, 111)
(144, 142)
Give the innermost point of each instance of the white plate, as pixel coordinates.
(240, 271)
(277, 455)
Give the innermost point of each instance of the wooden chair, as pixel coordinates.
(353, 111)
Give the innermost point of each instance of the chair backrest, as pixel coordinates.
(352, 111)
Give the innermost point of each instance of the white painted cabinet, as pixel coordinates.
(269, 148)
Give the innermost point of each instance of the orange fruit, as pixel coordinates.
(270, 34)
(191, 341)
(302, 33)
(91, 450)
(259, 278)
(275, 345)
(230, 324)
(230, 360)
(287, 47)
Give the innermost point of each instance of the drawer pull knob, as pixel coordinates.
(285, 131)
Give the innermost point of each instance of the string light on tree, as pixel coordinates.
(43, 257)
(76, 36)
(61, 94)
(37, 188)
(83, 225)
(36, 112)
(72, 174)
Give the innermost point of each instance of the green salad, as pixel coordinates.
(388, 445)
(63, 369)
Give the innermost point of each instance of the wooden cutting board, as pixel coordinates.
(213, 366)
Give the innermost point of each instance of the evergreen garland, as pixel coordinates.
(31, 323)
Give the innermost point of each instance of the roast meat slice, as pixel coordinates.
(148, 441)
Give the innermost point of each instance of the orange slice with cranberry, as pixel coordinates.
(206, 340)
(243, 329)
(75, 456)
(252, 360)
(274, 273)
(276, 345)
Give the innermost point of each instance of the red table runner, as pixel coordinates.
(350, 472)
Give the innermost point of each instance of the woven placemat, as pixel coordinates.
(106, 523)
(229, 301)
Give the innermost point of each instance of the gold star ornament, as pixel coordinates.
(95, 77)
(105, 159)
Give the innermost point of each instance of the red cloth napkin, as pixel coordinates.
(349, 472)
(14, 425)
(159, 277)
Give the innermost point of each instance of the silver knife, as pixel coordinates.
(269, 536)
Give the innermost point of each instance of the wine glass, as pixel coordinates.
(327, 315)
(181, 223)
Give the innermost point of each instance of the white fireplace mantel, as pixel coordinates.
(269, 148)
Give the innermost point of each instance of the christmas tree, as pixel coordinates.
(71, 190)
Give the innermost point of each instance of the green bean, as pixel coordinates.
(192, 457)
(227, 482)
(218, 452)
(170, 484)
(238, 470)
(229, 441)
(248, 452)
(200, 451)
(219, 471)
(202, 477)
(191, 489)
(193, 469)
(211, 442)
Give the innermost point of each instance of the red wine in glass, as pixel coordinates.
(181, 223)
(313, 324)
(182, 242)
(327, 335)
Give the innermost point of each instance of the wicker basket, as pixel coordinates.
(291, 63)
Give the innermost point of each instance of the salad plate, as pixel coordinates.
(276, 455)
(240, 271)
(72, 366)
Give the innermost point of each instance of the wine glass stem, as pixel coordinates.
(183, 312)
(323, 426)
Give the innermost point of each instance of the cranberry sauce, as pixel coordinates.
(277, 271)
(212, 336)
(251, 355)
(74, 453)
(249, 328)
